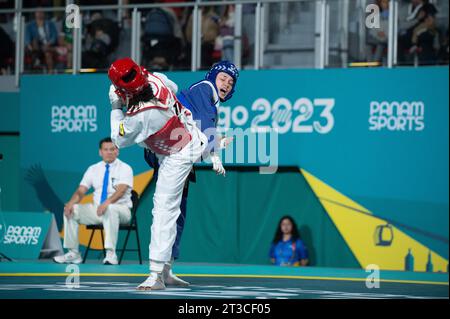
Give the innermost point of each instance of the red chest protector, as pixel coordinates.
(173, 136)
(170, 139)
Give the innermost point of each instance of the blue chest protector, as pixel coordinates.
(202, 100)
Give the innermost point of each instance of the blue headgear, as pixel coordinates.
(227, 67)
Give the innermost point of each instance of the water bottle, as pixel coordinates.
(409, 261)
(429, 266)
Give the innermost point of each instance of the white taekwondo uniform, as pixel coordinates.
(164, 126)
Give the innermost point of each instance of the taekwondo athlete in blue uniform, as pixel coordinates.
(202, 99)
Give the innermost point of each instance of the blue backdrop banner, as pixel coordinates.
(379, 136)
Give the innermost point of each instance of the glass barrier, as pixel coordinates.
(352, 39)
(422, 33)
(47, 43)
(29, 4)
(248, 35)
(8, 44)
(103, 40)
(289, 35)
(7, 4)
(166, 36)
(95, 2)
(227, 33)
(355, 38)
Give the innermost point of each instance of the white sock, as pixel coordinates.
(156, 266)
(170, 263)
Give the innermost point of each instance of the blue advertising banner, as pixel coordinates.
(22, 234)
(379, 136)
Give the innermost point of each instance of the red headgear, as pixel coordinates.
(128, 77)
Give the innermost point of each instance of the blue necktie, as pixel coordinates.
(105, 185)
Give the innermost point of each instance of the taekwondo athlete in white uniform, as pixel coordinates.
(156, 120)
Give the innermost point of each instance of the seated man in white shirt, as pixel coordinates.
(112, 181)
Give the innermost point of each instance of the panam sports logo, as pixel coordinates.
(74, 119)
(22, 235)
(397, 116)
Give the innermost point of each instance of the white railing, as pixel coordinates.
(322, 29)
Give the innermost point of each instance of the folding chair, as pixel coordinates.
(132, 226)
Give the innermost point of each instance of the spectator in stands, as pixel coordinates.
(444, 50)
(248, 33)
(63, 54)
(417, 13)
(210, 31)
(425, 40)
(178, 11)
(287, 248)
(227, 33)
(6, 53)
(105, 13)
(162, 39)
(40, 38)
(45, 4)
(102, 37)
(377, 37)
